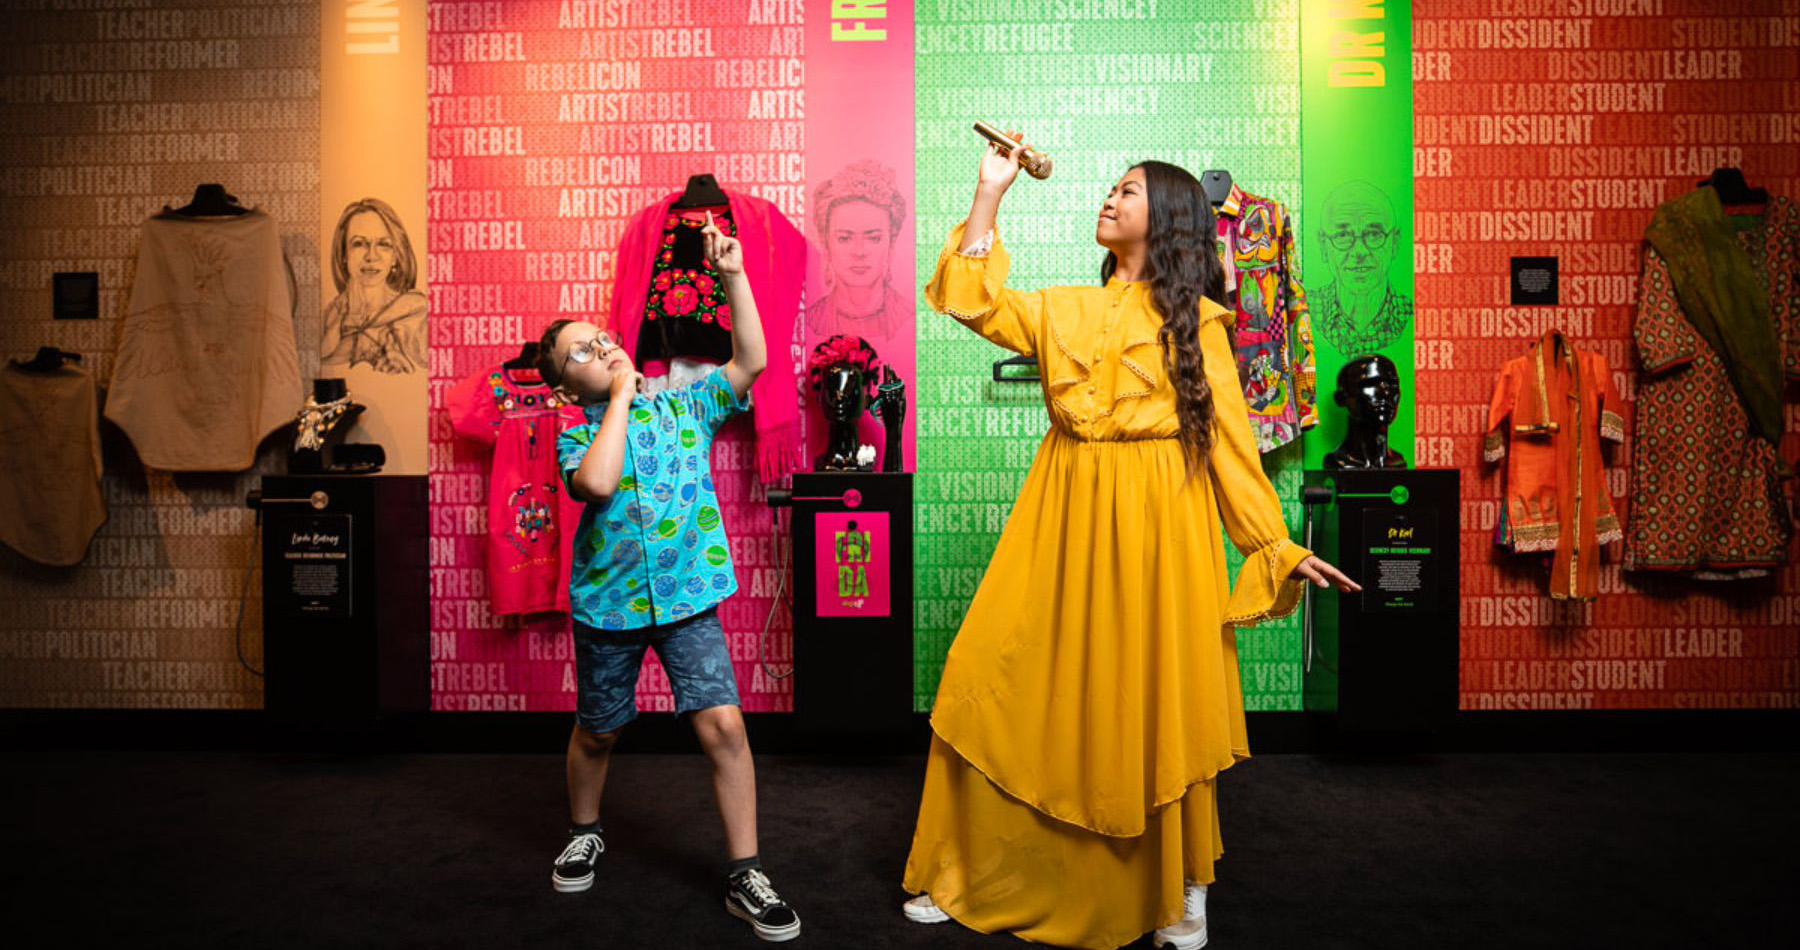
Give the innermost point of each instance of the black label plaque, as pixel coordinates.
(75, 295)
(1534, 281)
(1399, 560)
(315, 560)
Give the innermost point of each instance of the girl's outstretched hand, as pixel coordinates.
(1324, 575)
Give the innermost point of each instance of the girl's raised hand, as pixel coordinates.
(999, 169)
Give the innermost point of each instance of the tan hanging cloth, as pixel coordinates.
(206, 366)
(50, 499)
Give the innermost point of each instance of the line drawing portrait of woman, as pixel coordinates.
(377, 317)
(857, 215)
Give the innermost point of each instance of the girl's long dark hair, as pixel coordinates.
(1182, 266)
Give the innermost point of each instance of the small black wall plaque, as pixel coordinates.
(75, 295)
(1533, 280)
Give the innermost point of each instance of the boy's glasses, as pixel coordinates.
(585, 351)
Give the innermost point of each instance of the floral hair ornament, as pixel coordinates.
(867, 180)
(845, 348)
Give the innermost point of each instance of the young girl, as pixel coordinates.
(1092, 695)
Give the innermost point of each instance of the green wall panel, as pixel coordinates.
(1209, 84)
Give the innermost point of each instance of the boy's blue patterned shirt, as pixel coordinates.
(656, 552)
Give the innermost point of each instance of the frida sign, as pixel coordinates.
(851, 560)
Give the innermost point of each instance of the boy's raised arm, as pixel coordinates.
(749, 352)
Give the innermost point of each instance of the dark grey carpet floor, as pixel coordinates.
(189, 850)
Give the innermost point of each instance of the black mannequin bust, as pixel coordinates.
(841, 394)
(328, 414)
(1369, 388)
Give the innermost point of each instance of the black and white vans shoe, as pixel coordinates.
(749, 895)
(575, 866)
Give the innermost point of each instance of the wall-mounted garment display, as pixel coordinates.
(774, 262)
(1717, 329)
(1551, 408)
(206, 367)
(685, 312)
(50, 498)
(1273, 331)
(529, 512)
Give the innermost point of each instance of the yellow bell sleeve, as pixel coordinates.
(972, 288)
(1266, 588)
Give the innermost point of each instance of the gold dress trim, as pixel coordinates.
(1278, 560)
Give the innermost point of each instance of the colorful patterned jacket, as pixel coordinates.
(1273, 333)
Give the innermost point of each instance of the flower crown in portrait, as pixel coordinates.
(845, 348)
(867, 180)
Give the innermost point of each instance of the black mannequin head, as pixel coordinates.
(1369, 388)
(844, 371)
(325, 390)
(841, 392)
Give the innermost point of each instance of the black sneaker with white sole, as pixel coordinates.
(749, 895)
(575, 866)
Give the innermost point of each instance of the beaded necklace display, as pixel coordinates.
(317, 419)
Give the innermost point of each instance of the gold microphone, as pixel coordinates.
(1035, 163)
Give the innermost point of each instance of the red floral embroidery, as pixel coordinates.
(688, 293)
(681, 299)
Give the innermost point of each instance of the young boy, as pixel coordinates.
(651, 565)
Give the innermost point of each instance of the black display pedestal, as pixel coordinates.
(346, 597)
(853, 636)
(1386, 659)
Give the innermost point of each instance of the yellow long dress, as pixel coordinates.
(1092, 694)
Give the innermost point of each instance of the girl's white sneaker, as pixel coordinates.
(920, 910)
(1190, 932)
(1186, 935)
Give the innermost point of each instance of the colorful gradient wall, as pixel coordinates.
(552, 124)
(1540, 127)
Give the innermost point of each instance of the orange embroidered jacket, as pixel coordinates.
(1551, 408)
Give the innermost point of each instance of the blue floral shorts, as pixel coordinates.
(693, 653)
